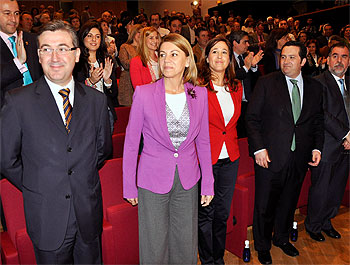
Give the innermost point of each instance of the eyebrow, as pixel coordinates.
(59, 45)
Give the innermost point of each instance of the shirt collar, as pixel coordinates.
(6, 37)
(298, 78)
(56, 88)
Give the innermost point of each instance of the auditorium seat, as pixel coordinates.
(118, 145)
(122, 119)
(16, 246)
(121, 216)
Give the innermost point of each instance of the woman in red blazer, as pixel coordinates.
(224, 102)
(144, 68)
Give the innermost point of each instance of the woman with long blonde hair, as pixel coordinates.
(144, 67)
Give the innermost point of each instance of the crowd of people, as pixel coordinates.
(195, 85)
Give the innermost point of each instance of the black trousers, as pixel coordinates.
(328, 182)
(212, 219)
(73, 249)
(276, 197)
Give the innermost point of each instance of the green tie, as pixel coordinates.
(27, 79)
(296, 106)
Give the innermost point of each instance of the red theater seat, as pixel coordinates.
(120, 215)
(118, 145)
(122, 119)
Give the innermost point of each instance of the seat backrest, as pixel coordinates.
(118, 145)
(122, 119)
(111, 177)
(12, 201)
(246, 163)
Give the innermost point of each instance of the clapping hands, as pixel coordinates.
(96, 73)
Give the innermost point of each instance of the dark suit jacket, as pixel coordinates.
(254, 40)
(52, 168)
(10, 76)
(270, 123)
(248, 78)
(335, 118)
(269, 62)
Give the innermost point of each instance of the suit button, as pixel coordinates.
(67, 196)
(70, 172)
(223, 133)
(69, 149)
(176, 155)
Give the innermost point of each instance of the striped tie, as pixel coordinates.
(67, 107)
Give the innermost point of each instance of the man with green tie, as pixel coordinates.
(285, 133)
(19, 63)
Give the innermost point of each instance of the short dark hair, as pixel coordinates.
(173, 19)
(341, 44)
(236, 36)
(155, 14)
(302, 48)
(60, 25)
(199, 30)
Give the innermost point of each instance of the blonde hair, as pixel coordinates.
(190, 73)
(133, 31)
(142, 49)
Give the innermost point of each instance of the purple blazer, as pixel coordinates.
(159, 158)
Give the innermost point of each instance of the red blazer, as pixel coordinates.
(219, 133)
(139, 74)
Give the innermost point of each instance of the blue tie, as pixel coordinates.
(27, 79)
(342, 88)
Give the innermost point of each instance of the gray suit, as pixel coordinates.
(55, 170)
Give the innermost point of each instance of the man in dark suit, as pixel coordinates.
(246, 68)
(56, 137)
(20, 66)
(257, 40)
(285, 131)
(330, 177)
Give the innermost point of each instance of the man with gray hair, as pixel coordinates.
(56, 137)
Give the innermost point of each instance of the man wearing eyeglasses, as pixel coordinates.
(57, 136)
(18, 57)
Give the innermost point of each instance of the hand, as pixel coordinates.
(316, 158)
(21, 51)
(111, 48)
(96, 74)
(346, 144)
(257, 58)
(107, 71)
(206, 199)
(133, 201)
(262, 159)
(248, 60)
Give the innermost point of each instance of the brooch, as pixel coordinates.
(191, 92)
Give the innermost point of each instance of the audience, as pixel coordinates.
(127, 51)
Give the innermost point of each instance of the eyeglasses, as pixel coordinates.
(59, 51)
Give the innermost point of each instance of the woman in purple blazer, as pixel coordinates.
(172, 115)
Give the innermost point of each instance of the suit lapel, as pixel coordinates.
(191, 109)
(79, 107)
(159, 103)
(284, 94)
(214, 102)
(48, 104)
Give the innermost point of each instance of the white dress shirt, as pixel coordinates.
(58, 98)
